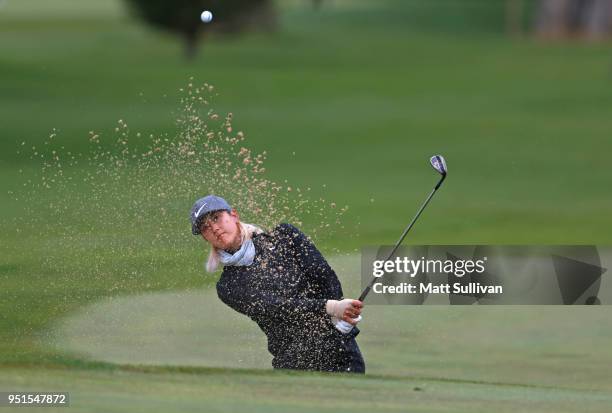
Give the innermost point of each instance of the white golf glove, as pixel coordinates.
(343, 326)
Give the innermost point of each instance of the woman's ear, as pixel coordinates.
(234, 213)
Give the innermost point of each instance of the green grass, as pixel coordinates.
(220, 390)
(510, 344)
(523, 124)
(362, 93)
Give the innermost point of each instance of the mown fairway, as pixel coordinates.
(217, 390)
(349, 100)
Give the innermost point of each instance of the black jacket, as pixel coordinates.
(284, 291)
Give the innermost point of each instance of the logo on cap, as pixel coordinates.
(200, 210)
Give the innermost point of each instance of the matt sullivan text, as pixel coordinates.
(431, 288)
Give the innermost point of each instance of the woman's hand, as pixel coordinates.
(346, 310)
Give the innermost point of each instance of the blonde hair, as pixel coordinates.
(246, 232)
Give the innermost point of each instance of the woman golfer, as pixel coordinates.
(282, 282)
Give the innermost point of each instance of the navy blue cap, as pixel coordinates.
(203, 206)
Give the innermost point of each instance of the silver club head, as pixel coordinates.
(439, 164)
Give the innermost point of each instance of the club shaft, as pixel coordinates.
(365, 292)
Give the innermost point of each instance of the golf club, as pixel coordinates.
(439, 164)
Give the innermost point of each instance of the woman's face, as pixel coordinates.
(221, 229)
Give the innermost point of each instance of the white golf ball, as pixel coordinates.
(206, 16)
